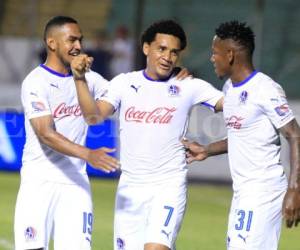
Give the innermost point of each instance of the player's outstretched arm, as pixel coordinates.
(291, 203)
(98, 158)
(90, 109)
(198, 152)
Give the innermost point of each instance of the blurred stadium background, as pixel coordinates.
(275, 23)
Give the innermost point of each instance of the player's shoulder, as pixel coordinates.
(265, 82)
(94, 75)
(195, 83)
(95, 78)
(35, 77)
(127, 77)
(227, 85)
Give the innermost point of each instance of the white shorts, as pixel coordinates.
(148, 213)
(47, 210)
(255, 220)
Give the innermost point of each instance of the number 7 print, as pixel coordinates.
(171, 209)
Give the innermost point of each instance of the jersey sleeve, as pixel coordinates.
(98, 85)
(205, 94)
(273, 102)
(34, 98)
(114, 90)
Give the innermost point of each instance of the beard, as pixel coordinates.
(63, 58)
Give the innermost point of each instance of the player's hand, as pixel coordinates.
(100, 159)
(80, 65)
(291, 207)
(194, 151)
(182, 73)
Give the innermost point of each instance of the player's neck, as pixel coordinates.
(241, 74)
(57, 66)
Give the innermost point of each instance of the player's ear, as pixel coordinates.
(230, 56)
(146, 47)
(51, 43)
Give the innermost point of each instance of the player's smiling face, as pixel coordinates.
(162, 55)
(221, 57)
(68, 42)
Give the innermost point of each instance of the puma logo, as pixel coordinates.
(135, 88)
(165, 233)
(89, 240)
(243, 238)
(54, 85)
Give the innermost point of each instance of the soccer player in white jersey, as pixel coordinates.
(256, 111)
(153, 110)
(54, 198)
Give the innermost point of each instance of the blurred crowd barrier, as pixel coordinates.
(204, 127)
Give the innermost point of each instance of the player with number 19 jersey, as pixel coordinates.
(46, 92)
(53, 184)
(153, 117)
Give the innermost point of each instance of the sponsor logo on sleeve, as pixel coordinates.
(282, 110)
(38, 106)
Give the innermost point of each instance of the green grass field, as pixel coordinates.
(204, 225)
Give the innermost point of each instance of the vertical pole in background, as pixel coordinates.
(138, 24)
(258, 29)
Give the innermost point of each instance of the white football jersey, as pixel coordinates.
(153, 117)
(46, 92)
(254, 110)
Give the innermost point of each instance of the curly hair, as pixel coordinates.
(57, 21)
(239, 33)
(168, 27)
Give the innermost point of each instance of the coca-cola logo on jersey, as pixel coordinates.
(62, 110)
(234, 122)
(160, 115)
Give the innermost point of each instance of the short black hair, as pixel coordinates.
(57, 21)
(168, 27)
(238, 32)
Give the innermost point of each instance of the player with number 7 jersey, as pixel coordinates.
(153, 111)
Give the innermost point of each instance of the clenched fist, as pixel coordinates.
(80, 65)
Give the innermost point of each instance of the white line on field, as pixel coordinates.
(6, 244)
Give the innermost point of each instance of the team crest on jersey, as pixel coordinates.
(120, 244)
(173, 90)
(38, 106)
(243, 97)
(30, 233)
